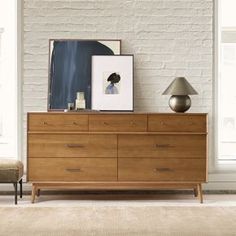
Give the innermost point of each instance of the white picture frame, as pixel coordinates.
(112, 82)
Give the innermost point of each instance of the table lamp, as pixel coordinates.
(180, 88)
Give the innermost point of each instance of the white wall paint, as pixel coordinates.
(168, 38)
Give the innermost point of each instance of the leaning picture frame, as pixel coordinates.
(112, 82)
(70, 68)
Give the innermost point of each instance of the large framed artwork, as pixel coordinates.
(112, 82)
(70, 68)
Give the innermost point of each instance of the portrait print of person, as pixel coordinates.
(111, 83)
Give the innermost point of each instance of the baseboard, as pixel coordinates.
(209, 188)
(220, 186)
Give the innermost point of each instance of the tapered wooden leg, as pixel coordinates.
(199, 186)
(195, 192)
(34, 190)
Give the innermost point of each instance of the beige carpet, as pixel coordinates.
(111, 220)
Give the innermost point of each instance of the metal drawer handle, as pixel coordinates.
(72, 145)
(163, 145)
(164, 169)
(105, 123)
(73, 170)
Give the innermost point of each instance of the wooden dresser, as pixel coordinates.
(142, 151)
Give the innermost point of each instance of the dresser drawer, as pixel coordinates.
(157, 146)
(73, 145)
(145, 169)
(177, 123)
(118, 123)
(72, 169)
(57, 122)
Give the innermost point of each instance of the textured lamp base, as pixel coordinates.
(180, 103)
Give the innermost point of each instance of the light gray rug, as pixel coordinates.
(125, 220)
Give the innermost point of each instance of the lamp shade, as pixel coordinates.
(180, 86)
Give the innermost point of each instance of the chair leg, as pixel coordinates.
(15, 187)
(20, 188)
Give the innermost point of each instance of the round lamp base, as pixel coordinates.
(180, 103)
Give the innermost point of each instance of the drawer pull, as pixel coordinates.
(105, 123)
(74, 145)
(163, 145)
(73, 170)
(75, 123)
(45, 123)
(164, 169)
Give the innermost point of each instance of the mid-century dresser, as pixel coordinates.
(101, 151)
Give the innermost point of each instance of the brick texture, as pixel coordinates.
(169, 38)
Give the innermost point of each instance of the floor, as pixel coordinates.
(120, 199)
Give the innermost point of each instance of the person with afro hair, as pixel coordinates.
(113, 79)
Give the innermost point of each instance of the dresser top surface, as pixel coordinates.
(113, 113)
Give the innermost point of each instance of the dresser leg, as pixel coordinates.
(38, 192)
(34, 190)
(195, 192)
(199, 186)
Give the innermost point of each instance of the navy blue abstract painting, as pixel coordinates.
(70, 70)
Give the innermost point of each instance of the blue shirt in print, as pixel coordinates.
(111, 89)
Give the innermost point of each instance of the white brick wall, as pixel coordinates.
(168, 38)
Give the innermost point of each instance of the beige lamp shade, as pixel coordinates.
(180, 86)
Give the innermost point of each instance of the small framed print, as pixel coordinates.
(112, 82)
